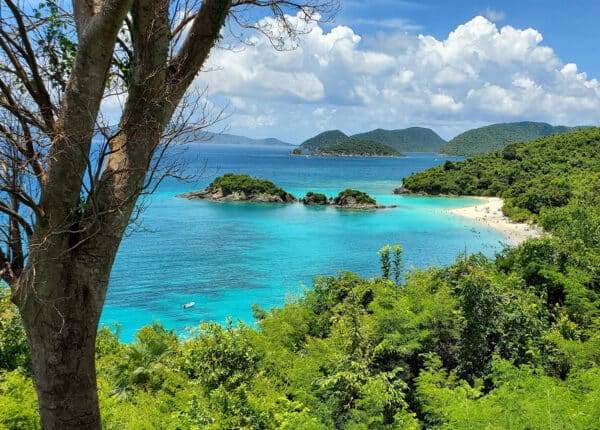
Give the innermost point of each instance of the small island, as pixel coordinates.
(241, 188)
(354, 199)
(360, 148)
(315, 199)
(347, 199)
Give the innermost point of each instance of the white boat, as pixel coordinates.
(188, 305)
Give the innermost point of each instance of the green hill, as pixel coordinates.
(413, 139)
(359, 147)
(497, 136)
(323, 140)
(532, 177)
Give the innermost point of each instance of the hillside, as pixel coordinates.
(361, 148)
(413, 139)
(232, 139)
(323, 140)
(532, 177)
(497, 136)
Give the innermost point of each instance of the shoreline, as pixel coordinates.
(489, 212)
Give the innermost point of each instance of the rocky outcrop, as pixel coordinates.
(217, 195)
(406, 192)
(315, 199)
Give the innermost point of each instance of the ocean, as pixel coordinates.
(227, 256)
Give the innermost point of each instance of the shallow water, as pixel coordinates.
(227, 256)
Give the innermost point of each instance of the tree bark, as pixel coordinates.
(64, 370)
(61, 325)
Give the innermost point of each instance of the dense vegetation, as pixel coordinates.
(479, 344)
(231, 183)
(496, 136)
(556, 171)
(413, 139)
(506, 343)
(323, 140)
(359, 147)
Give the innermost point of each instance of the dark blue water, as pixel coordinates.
(227, 256)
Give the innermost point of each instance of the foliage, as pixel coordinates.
(535, 177)
(356, 196)
(358, 147)
(389, 265)
(397, 261)
(412, 139)
(18, 401)
(14, 350)
(523, 398)
(323, 140)
(231, 183)
(497, 136)
(144, 363)
(473, 344)
(384, 257)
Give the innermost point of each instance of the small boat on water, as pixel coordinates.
(188, 305)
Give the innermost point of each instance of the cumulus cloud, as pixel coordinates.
(478, 74)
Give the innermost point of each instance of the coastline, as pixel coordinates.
(489, 212)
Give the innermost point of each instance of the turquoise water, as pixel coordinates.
(227, 256)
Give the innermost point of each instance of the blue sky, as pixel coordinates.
(448, 65)
(570, 27)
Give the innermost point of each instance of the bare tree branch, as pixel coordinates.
(194, 51)
(16, 216)
(40, 93)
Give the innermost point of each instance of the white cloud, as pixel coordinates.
(478, 74)
(444, 102)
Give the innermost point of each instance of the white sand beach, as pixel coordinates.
(489, 212)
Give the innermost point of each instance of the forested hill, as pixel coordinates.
(413, 139)
(550, 172)
(497, 136)
(323, 140)
(362, 148)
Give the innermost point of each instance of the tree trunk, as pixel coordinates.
(62, 289)
(61, 299)
(64, 371)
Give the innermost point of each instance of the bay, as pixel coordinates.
(227, 256)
